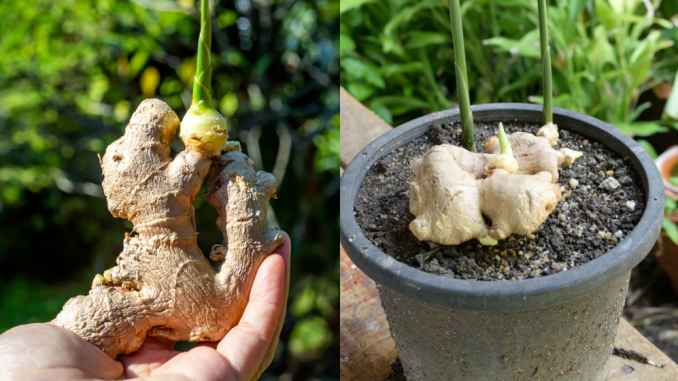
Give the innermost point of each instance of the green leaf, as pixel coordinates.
(606, 14)
(359, 90)
(310, 337)
(407, 13)
(347, 5)
(671, 107)
(640, 62)
(575, 7)
(601, 50)
(648, 148)
(669, 204)
(381, 110)
(671, 230)
(360, 70)
(419, 39)
(395, 69)
(527, 46)
(641, 128)
(346, 45)
(328, 145)
(137, 62)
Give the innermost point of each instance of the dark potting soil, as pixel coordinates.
(601, 202)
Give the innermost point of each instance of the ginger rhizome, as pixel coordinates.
(457, 195)
(163, 285)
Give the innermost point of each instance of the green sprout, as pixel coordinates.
(203, 127)
(504, 144)
(546, 62)
(202, 81)
(468, 137)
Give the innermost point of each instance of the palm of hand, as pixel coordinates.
(47, 352)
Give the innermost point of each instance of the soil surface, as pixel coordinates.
(602, 202)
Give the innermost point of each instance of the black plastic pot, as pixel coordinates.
(556, 327)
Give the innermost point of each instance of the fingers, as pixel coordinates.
(199, 364)
(246, 346)
(240, 354)
(154, 353)
(46, 346)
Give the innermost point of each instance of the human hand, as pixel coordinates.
(47, 352)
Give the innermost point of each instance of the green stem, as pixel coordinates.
(202, 88)
(546, 62)
(461, 76)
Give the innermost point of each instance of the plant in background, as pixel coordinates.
(395, 56)
(607, 56)
(670, 228)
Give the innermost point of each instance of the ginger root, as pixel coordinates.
(457, 195)
(163, 285)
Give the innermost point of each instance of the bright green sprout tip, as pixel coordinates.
(504, 144)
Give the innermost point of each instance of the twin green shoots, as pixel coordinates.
(203, 127)
(468, 135)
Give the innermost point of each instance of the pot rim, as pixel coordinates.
(503, 295)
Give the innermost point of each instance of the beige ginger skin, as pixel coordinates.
(454, 191)
(162, 284)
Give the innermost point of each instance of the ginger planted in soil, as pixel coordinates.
(457, 195)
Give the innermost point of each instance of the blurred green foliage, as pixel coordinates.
(72, 72)
(396, 55)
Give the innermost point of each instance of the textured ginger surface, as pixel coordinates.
(457, 195)
(162, 284)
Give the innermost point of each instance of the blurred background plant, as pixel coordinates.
(616, 60)
(71, 73)
(396, 56)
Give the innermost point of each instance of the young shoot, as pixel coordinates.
(203, 127)
(468, 132)
(504, 144)
(505, 159)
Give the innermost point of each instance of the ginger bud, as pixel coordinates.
(205, 129)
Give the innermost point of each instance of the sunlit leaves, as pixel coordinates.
(309, 338)
(605, 54)
(328, 145)
(642, 129)
(526, 46)
(670, 230)
(671, 107)
(150, 78)
(228, 104)
(347, 5)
